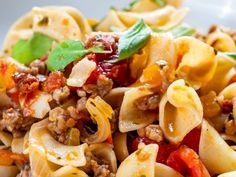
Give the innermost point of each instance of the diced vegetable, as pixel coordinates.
(187, 162)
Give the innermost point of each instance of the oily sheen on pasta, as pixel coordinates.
(138, 93)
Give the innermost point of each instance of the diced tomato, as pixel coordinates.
(187, 162)
(54, 81)
(109, 139)
(165, 149)
(94, 75)
(227, 106)
(192, 139)
(7, 158)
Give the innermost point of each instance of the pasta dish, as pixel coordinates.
(139, 93)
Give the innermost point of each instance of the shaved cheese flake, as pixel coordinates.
(40, 106)
(81, 72)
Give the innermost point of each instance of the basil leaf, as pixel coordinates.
(181, 30)
(26, 51)
(230, 54)
(177, 31)
(133, 39)
(131, 4)
(67, 52)
(160, 3)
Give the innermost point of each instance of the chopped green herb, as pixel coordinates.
(67, 52)
(26, 51)
(131, 4)
(230, 54)
(178, 31)
(132, 40)
(182, 30)
(160, 3)
(157, 30)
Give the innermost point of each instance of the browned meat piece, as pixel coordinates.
(96, 166)
(61, 94)
(152, 132)
(104, 85)
(148, 102)
(60, 124)
(54, 81)
(13, 121)
(25, 172)
(109, 42)
(37, 67)
(26, 83)
(91, 89)
(81, 104)
(100, 170)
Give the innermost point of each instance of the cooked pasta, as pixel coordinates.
(139, 93)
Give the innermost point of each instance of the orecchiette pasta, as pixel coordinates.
(214, 151)
(131, 118)
(179, 114)
(139, 163)
(221, 41)
(101, 112)
(196, 67)
(162, 170)
(225, 70)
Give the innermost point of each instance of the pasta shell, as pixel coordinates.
(105, 152)
(54, 151)
(224, 72)
(101, 112)
(229, 92)
(162, 170)
(131, 118)
(214, 152)
(197, 61)
(164, 18)
(115, 96)
(229, 174)
(6, 138)
(139, 163)
(110, 20)
(77, 16)
(9, 171)
(63, 23)
(69, 171)
(221, 41)
(120, 146)
(180, 111)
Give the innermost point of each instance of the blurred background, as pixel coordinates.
(202, 13)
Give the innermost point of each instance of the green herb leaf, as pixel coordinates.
(133, 39)
(182, 30)
(160, 3)
(230, 54)
(131, 4)
(26, 51)
(67, 52)
(177, 31)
